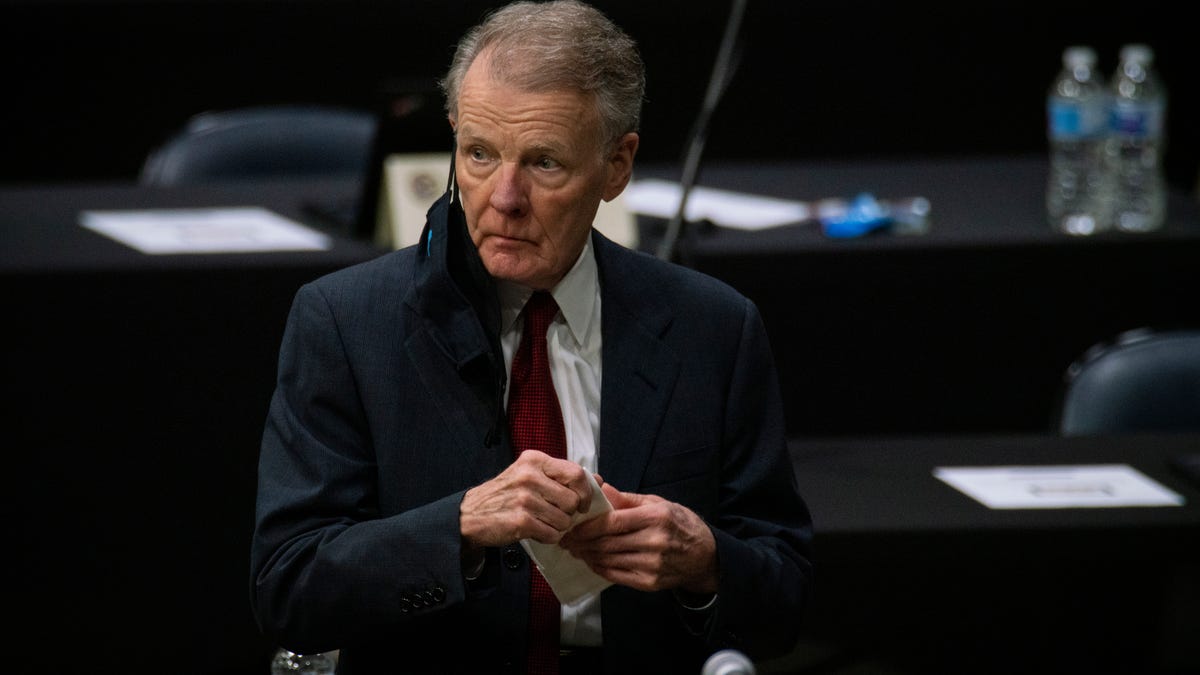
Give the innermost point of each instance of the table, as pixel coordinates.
(137, 388)
(915, 577)
(966, 329)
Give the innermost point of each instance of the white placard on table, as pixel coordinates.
(1058, 487)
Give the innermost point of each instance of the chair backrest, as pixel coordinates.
(263, 141)
(1144, 380)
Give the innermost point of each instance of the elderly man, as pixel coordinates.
(440, 405)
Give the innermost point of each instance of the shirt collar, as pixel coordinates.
(575, 294)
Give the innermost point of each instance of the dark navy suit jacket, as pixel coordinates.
(388, 408)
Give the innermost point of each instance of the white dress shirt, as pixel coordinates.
(573, 346)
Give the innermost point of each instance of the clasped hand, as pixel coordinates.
(534, 498)
(645, 542)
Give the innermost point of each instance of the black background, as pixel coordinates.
(92, 86)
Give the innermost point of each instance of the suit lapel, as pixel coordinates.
(640, 371)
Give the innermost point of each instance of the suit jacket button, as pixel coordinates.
(439, 594)
(512, 557)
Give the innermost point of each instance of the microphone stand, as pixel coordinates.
(722, 73)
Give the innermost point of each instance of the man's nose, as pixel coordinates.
(509, 193)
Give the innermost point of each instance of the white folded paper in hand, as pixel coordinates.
(569, 577)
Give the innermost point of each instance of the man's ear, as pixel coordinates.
(453, 122)
(620, 165)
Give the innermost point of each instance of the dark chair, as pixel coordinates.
(1143, 380)
(264, 141)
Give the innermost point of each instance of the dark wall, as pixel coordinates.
(92, 86)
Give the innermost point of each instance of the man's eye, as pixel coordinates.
(547, 163)
(478, 154)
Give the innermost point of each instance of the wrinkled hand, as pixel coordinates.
(534, 498)
(647, 543)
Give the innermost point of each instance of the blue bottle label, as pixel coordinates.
(1071, 120)
(1136, 119)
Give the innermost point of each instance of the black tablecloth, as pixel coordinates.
(136, 389)
(968, 328)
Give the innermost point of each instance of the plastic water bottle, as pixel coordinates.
(1136, 142)
(1077, 193)
(290, 663)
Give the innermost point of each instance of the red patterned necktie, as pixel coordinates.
(536, 423)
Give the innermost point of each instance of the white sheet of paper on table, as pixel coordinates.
(241, 229)
(740, 210)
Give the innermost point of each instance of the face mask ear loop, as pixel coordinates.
(451, 183)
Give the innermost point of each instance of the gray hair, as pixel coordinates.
(563, 44)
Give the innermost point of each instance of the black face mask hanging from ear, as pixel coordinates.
(455, 278)
(446, 237)
(445, 218)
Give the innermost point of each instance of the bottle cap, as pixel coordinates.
(1137, 52)
(1079, 56)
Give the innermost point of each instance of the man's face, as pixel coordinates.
(531, 171)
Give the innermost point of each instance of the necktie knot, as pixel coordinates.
(540, 311)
